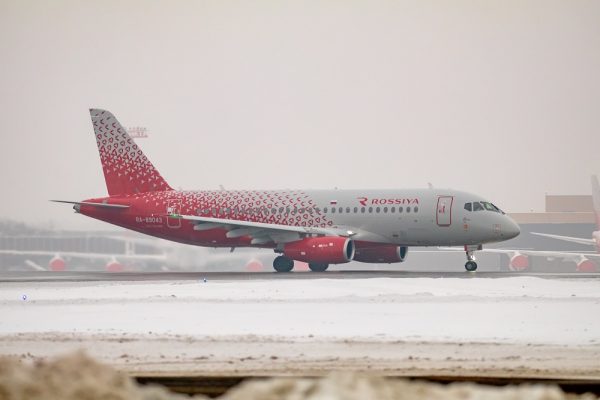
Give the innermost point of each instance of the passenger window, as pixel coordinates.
(325, 210)
(468, 206)
(393, 210)
(333, 210)
(341, 210)
(362, 210)
(477, 206)
(407, 209)
(355, 210)
(385, 209)
(348, 210)
(273, 210)
(377, 210)
(370, 210)
(416, 209)
(301, 211)
(399, 209)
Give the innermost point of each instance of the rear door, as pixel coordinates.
(173, 207)
(444, 210)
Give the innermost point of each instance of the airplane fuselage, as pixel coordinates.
(407, 217)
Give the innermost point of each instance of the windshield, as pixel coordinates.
(481, 206)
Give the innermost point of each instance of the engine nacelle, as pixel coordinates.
(327, 249)
(57, 263)
(518, 262)
(114, 266)
(381, 254)
(586, 265)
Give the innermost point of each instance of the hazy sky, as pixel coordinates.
(500, 98)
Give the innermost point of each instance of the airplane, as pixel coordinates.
(58, 263)
(318, 227)
(595, 240)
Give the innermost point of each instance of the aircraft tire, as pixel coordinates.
(283, 264)
(318, 267)
(471, 266)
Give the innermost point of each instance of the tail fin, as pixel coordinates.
(126, 168)
(596, 199)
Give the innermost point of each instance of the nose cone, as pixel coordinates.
(512, 230)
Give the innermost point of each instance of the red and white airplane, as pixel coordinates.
(519, 260)
(319, 227)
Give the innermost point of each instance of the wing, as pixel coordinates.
(74, 254)
(590, 242)
(564, 255)
(262, 232)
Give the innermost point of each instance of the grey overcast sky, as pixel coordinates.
(501, 98)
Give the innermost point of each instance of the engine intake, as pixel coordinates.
(327, 249)
(381, 254)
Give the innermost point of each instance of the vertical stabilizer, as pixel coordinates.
(126, 169)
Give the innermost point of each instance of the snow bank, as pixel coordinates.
(72, 377)
(78, 377)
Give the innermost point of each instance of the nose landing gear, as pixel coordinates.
(471, 265)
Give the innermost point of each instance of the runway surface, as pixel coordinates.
(81, 276)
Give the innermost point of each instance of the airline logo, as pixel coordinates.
(364, 201)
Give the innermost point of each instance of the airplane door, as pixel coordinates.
(444, 210)
(173, 207)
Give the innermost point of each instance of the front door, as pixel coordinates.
(444, 210)
(173, 207)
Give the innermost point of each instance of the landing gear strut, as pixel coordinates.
(471, 265)
(283, 264)
(318, 267)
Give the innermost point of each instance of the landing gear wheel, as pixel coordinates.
(283, 264)
(318, 267)
(470, 266)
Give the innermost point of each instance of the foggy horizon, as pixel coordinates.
(499, 99)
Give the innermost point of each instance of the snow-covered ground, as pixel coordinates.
(385, 319)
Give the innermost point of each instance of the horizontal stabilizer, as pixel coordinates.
(87, 203)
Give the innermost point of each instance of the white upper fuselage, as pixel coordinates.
(413, 217)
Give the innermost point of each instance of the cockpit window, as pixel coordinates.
(488, 206)
(499, 210)
(482, 205)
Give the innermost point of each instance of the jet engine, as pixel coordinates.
(57, 263)
(518, 262)
(114, 266)
(326, 249)
(381, 254)
(586, 265)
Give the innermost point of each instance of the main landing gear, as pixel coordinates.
(318, 267)
(471, 265)
(283, 264)
(286, 264)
